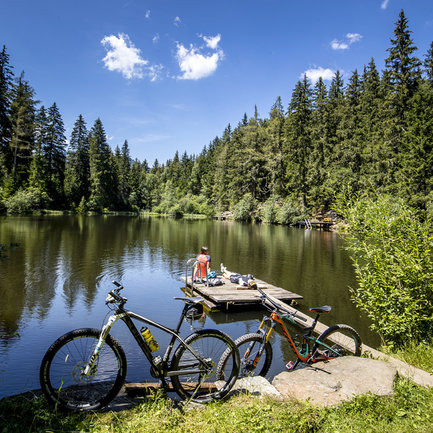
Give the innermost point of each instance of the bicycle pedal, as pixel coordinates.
(290, 365)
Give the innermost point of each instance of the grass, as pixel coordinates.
(410, 409)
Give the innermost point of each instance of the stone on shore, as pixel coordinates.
(330, 383)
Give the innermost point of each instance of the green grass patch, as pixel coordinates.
(410, 409)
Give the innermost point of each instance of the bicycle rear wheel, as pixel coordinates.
(197, 381)
(252, 362)
(62, 375)
(337, 340)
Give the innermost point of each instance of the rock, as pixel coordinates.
(330, 383)
(256, 385)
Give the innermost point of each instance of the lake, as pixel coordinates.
(57, 276)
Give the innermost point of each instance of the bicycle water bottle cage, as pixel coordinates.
(324, 309)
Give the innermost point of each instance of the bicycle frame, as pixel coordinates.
(305, 355)
(159, 365)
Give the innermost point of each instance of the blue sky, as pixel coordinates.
(170, 75)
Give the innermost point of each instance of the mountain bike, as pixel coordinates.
(256, 350)
(86, 368)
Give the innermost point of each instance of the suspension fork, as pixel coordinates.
(105, 330)
(266, 337)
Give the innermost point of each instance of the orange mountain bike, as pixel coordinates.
(256, 350)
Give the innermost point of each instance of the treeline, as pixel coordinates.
(372, 133)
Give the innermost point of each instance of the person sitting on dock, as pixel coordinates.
(202, 269)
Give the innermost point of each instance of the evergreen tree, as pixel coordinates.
(319, 196)
(404, 77)
(123, 161)
(38, 176)
(6, 85)
(347, 151)
(428, 64)
(77, 170)
(403, 66)
(298, 141)
(54, 150)
(103, 188)
(274, 150)
(372, 112)
(334, 115)
(22, 117)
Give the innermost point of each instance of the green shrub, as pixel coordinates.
(244, 210)
(391, 250)
(25, 201)
(289, 213)
(270, 211)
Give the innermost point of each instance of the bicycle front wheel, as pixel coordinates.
(255, 356)
(195, 379)
(337, 340)
(62, 376)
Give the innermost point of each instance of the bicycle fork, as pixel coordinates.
(266, 337)
(105, 330)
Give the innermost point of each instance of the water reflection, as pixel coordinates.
(56, 279)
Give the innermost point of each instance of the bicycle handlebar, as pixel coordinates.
(278, 306)
(113, 295)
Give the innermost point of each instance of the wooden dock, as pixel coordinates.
(231, 295)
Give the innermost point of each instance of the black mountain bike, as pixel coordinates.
(86, 368)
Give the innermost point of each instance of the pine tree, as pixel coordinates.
(318, 162)
(77, 170)
(103, 188)
(404, 68)
(38, 176)
(403, 80)
(22, 117)
(54, 150)
(347, 151)
(274, 150)
(428, 64)
(298, 141)
(6, 85)
(372, 112)
(123, 161)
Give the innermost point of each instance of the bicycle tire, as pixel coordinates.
(60, 374)
(253, 342)
(210, 344)
(348, 343)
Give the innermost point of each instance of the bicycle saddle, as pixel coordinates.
(324, 309)
(191, 300)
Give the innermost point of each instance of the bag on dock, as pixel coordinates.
(215, 282)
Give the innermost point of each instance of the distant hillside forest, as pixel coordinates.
(372, 133)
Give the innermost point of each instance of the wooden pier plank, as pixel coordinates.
(232, 294)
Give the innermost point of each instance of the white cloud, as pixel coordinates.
(195, 64)
(351, 38)
(384, 4)
(338, 45)
(315, 74)
(122, 56)
(177, 21)
(147, 15)
(155, 39)
(212, 42)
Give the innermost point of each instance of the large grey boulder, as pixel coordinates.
(340, 379)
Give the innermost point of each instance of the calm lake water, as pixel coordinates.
(57, 277)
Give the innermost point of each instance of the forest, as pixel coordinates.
(373, 133)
